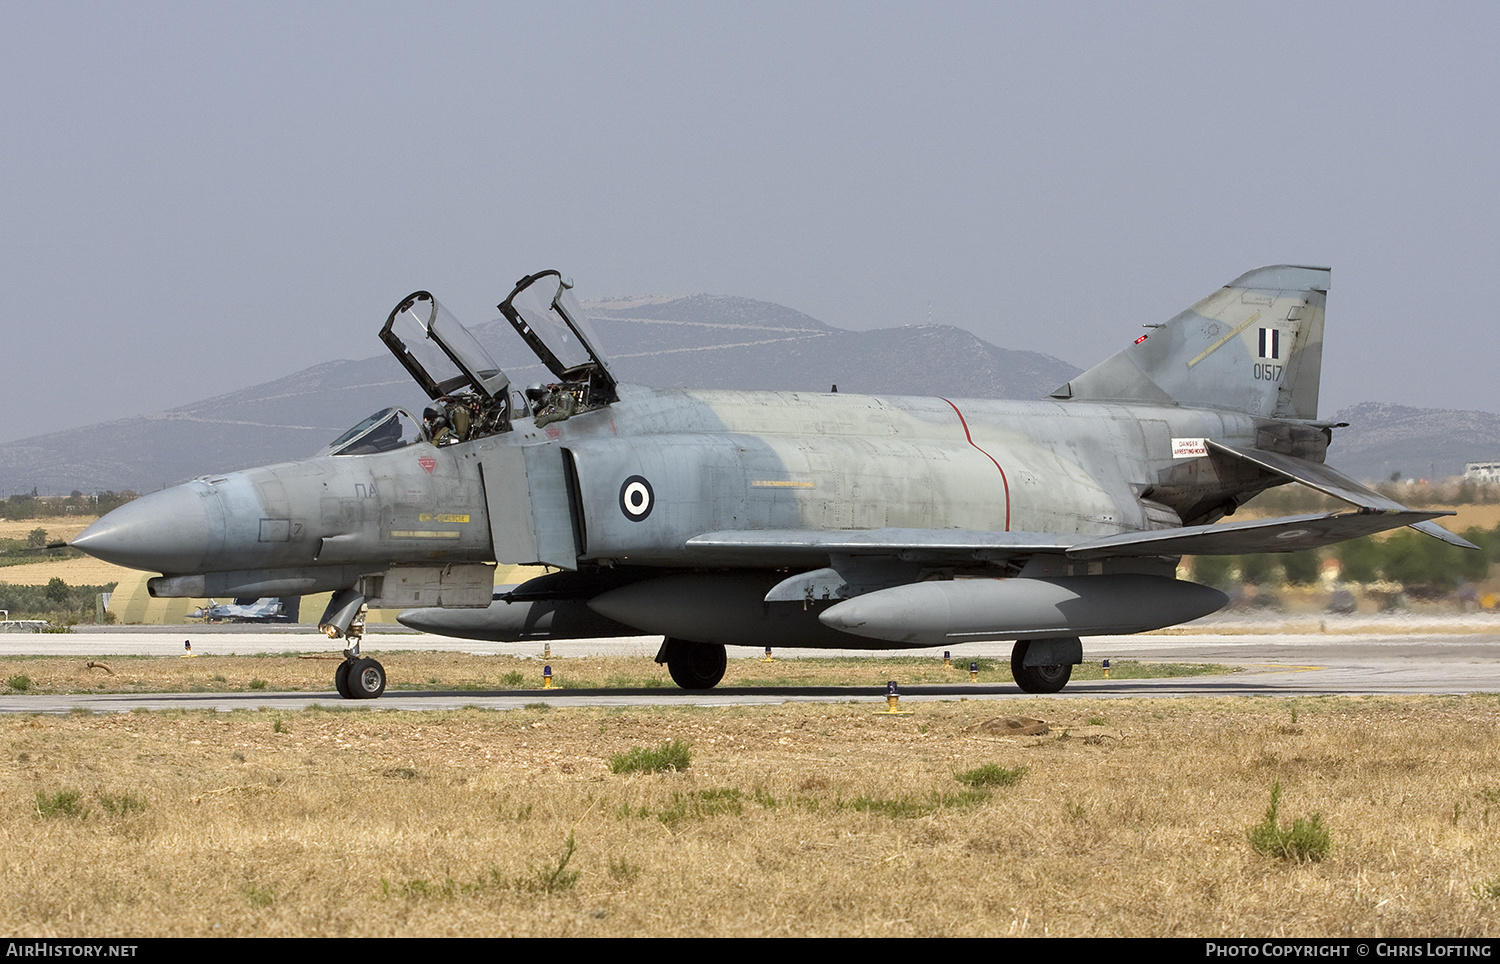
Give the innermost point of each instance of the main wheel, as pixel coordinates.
(1037, 679)
(341, 680)
(695, 666)
(366, 679)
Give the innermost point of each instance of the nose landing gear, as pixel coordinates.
(358, 677)
(364, 678)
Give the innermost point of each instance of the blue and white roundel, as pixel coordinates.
(636, 498)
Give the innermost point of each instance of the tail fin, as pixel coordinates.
(1254, 346)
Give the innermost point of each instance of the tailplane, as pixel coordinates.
(1254, 346)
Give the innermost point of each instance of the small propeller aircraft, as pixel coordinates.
(741, 518)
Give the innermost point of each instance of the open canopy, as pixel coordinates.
(441, 354)
(545, 313)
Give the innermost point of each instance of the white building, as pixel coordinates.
(1486, 472)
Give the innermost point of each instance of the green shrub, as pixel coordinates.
(553, 876)
(1305, 840)
(63, 803)
(671, 755)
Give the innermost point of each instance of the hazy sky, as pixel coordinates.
(197, 197)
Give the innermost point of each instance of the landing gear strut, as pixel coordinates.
(1049, 676)
(693, 666)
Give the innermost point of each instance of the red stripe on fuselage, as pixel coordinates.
(1003, 480)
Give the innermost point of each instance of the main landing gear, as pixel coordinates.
(1045, 665)
(693, 666)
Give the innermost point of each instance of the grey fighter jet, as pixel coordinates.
(736, 518)
(241, 611)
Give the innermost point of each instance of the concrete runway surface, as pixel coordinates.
(1355, 655)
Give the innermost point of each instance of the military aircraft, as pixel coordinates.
(740, 518)
(243, 610)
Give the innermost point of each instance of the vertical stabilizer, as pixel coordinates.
(1254, 346)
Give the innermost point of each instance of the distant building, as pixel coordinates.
(1486, 472)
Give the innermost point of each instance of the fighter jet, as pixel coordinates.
(740, 518)
(241, 611)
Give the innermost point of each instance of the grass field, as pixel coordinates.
(1127, 818)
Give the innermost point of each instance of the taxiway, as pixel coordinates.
(1389, 656)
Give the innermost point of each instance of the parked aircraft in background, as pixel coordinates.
(735, 518)
(245, 610)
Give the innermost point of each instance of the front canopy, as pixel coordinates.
(441, 354)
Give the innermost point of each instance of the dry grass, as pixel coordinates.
(84, 571)
(59, 527)
(1129, 819)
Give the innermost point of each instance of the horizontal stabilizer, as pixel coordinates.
(1331, 481)
(1287, 534)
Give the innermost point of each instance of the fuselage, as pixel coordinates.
(632, 482)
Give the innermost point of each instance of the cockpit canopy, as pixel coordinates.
(543, 311)
(471, 397)
(441, 354)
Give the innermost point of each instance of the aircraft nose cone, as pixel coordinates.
(166, 532)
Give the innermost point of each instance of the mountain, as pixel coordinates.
(711, 342)
(1425, 443)
(702, 341)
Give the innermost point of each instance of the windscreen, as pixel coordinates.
(386, 430)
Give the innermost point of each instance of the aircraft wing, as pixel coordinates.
(1284, 534)
(1330, 481)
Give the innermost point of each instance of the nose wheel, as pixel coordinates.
(360, 678)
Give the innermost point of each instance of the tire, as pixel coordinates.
(366, 679)
(1037, 679)
(341, 680)
(695, 666)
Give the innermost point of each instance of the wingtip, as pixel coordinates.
(1438, 532)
